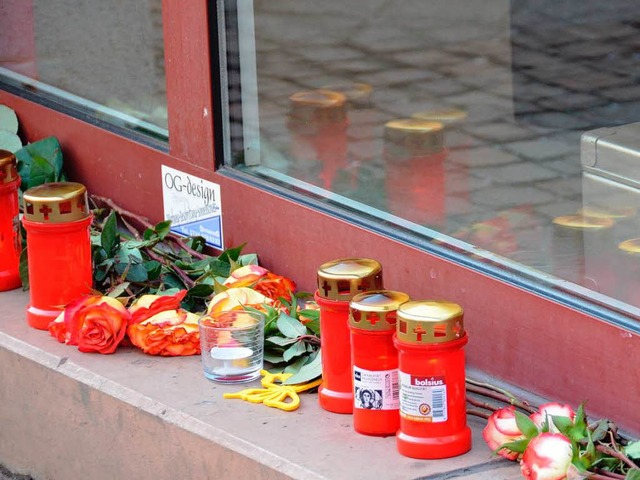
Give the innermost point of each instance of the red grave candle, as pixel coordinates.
(430, 337)
(57, 220)
(338, 282)
(10, 242)
(374, 360)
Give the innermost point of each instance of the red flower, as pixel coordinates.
(149, 305)
(261, 280)
(94, 323)
(548, 410)
(169, 333)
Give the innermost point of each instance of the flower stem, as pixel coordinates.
(617, 454)
(496, 393)
(478, 413)
(601, 474)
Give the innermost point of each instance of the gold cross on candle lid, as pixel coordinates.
(430, 321)
(376, 310)
(344, 278)
(58, 202)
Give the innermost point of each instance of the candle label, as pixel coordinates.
(423, 398)
(375, 389)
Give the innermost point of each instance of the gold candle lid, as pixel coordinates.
(376, 310)
(344, 278)
(413, 137)
(630, 247)
(8, 167)
(318, 106)
(59, 202)
(583, 222)
(429, 321)
(446, 115)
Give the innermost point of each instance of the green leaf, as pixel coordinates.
(290, 327)
(119, 290)
(24, 269)
(564, 424)
(136, 273)
(231, 255)
(199, 290)
(163, 229)
(314, 324)
(633, 474)
(308, 372)
(10, 141)
(273, 358)
(518, 446)
(294, 350)
(633, 450)
(248, 259)
(526, 425)
(295, 367)
(153, 268)
(8, 120)
(109, 238)
(280, 341)
(40, 162)
(600, 431)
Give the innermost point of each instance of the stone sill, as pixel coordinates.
(66, 415)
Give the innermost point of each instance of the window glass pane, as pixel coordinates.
(106, 57)
(501, 128)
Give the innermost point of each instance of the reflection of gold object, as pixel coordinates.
(607, 212)
(59, 202)
(318, 106)
(446, 116)
(583, 222)
(631, 246)
(413, 137)
(344, 278)
(430, 321)
(376, 310)
(354, 92)
(8, 170)
(275, 394)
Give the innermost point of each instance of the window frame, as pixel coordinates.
(542, 342)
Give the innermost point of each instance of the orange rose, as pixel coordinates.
(168, 333)
(275, 286)
(261, 280)
(94, 323)
(245, 276)
(235, 299)
(148, 305)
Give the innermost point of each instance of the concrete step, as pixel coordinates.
(67, 415)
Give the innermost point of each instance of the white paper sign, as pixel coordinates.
(193, 205)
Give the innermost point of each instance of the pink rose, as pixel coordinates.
(548, 410)
(502, 428)
(547, 457)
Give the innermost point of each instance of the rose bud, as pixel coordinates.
(548, 410)
(502, 428)
(547, 457)
(245, 276)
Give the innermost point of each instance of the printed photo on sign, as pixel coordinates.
(368, 398)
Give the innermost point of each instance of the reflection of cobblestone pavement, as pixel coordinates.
(531, 77)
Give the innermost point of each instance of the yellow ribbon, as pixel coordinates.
(275, 394)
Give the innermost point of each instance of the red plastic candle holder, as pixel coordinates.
(338, 282)
(57, 220)
(430, 338)
(10, 241)
(374, 360)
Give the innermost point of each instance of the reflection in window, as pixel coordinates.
(105, 56)
(461, 118)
